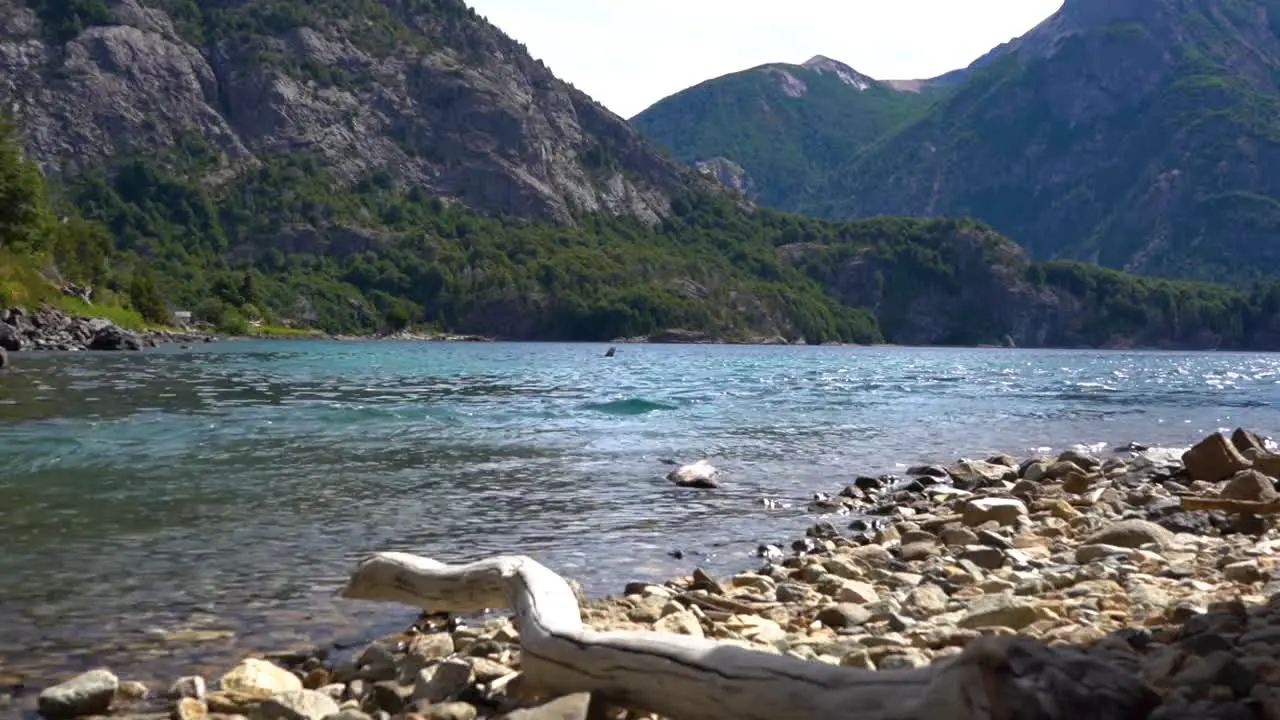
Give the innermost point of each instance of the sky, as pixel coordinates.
(628, 54)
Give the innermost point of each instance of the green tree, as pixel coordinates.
(145, 297)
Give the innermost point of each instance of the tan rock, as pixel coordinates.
(680, 623)
(855, 591)
(1214, 459)
(1250, 485)
(568, 707)
(1131, 534)
(1007, 611)
(295, 705)
(259, 678)
(448, 711)
(189, 708)
(1004, 511)
(432, 646)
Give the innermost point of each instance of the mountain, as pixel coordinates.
(1139, 134)
(424, 91)
(787, 127)
(1143, 135)
(372, 165)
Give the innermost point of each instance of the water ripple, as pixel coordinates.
(234, 486)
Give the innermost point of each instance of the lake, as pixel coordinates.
(174, 509)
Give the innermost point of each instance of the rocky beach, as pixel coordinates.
(1159, 563)
(51, 329)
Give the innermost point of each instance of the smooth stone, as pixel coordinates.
(260, 678)
(568, 707)
(843, 615)
(89, 693)
(295, 705)
(1131, 534)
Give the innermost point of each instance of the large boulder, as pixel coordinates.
(1214, 459)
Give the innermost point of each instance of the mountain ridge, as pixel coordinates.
(1140, 135)
(285, 162)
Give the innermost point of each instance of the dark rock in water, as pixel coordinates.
(806, 545)
(935, 471)
(772, 553)
(9, 338)
(868, 483)
(113, 338)
(611, 352)
(865, 525)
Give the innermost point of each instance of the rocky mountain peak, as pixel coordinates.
(822, 64)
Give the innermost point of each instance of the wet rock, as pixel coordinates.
(89, 693)
(700, 474)
(132, 691)
(259, 678)
(190, 686)
(295, 705)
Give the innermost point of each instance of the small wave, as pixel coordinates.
(630, 406)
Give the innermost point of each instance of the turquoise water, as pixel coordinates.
(229, 489)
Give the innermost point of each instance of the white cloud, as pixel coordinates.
(629, 55)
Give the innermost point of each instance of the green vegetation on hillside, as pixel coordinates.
(283, 244)
(41, 241)
(786, 144)
(1148, 143)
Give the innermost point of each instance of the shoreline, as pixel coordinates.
(1073, 548)
(52, 329)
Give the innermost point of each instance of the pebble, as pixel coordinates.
(1068, 550)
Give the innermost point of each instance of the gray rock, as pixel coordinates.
(90, 693)
(843, 615)
(569, 707)
(1131, 534)
(295, 705)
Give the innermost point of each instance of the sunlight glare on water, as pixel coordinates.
(229, 489)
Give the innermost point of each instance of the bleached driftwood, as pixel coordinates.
(687, 678)
(1231, 505)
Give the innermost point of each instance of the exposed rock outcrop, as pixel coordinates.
(452, 106)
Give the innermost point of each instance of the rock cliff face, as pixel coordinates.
(422, 91)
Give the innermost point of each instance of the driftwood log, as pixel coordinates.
(688, 678)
